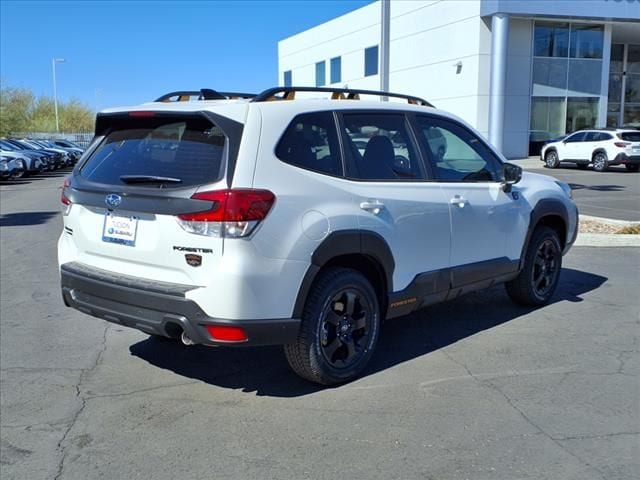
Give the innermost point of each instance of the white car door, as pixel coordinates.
(488, 225)
(572, 147)
(394, 198)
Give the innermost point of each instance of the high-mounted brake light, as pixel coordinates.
(66, 203)
(142, 114)
(233, 212)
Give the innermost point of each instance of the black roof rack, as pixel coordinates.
(289, 93)
(202, 94)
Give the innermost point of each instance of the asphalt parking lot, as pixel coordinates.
(612, 194)
(477, 389)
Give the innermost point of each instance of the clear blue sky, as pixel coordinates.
(121, 53)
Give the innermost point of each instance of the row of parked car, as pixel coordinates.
(30, 156)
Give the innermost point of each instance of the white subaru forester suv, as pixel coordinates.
(232, 219)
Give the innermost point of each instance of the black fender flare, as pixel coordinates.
(544, 208)
(346, 242)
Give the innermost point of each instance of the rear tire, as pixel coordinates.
(538, 279)
(600, 162)
(551, 159)
(632, 167)
(339, 328)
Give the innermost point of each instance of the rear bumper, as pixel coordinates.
(158, 308)
(623, 158)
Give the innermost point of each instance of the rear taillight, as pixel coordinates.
(621, 144)
(66, 203)
(233, 213)
(227, 333)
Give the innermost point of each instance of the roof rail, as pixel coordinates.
(202, 94)
(289, 93)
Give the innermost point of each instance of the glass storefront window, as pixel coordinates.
(547, 117)
(617, 58)
(633, 59)
(585, 77)
(632, 115)
(551, 39)
(549, 77)
(582, 112)
(632, 88)
(586, 41)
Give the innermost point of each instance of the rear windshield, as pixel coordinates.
(630, 136)
(188, 151)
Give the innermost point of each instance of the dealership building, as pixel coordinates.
(518, 71)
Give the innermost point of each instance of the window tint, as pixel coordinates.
(603, 136)
(336, 70)
(189, 149)
(591, 137)
(576, 137)
(371, 61)
(287, 78)
(378, 147)
(320, 74)
(311, 142)
(630, 136)
(456, 154)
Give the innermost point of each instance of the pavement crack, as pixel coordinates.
(61, 447)
(489, 384)
(142, 390)
(587, 437)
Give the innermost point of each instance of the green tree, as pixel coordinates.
(22, 111)
(16, 106)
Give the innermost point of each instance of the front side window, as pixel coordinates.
(320, 74)
(371, 61)
(456, 155)
(311, 142)
(183, 151)
(576, 137)
(378, 147)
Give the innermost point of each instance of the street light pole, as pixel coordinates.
(55, 92)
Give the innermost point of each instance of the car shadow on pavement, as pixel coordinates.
(22, 219)
(264, 370)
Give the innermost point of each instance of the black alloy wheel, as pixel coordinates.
(540, 273)
(545, 268)
(339, 328)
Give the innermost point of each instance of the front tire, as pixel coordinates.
(551, 159)
(339, 328)
(632, 167)
(600, 162)
(538, 279)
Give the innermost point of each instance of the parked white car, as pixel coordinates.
(602, 148)
(276, 220)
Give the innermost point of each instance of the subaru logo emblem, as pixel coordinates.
(112, 200)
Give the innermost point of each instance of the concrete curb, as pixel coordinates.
(606, 240)
(610, 221)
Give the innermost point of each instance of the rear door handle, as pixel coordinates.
(373, 206)
(459, 201)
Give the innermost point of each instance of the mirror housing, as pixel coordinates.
(511, 174)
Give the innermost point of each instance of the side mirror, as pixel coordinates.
(511, 174)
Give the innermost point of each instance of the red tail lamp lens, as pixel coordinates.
(227, 333)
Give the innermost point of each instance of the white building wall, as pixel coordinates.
(518, 91)
(427, 39)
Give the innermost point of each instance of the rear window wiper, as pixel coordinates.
(148, 179)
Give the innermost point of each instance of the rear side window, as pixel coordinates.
(187, 150)
(311, 142)
(630, 136)
(379, 147)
